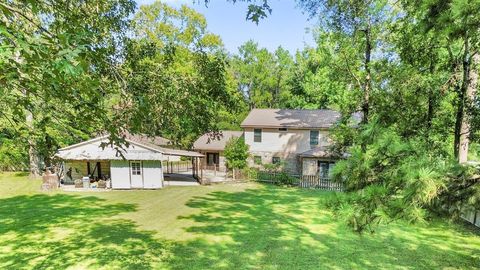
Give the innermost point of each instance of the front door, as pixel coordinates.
(136, 174)
(213, 159)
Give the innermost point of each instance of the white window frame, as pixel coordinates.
(136, 170)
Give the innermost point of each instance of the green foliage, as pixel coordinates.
(399, 178)
(58, 69)
(177, 75)
(262, 76)
(12, 156)
(236, 153)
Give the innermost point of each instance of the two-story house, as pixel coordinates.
(298, 139)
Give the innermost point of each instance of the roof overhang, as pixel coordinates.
(321, 152)
(142, 152)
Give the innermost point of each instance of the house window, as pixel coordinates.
(257, 160)
(257, 135)
(275, 160)
(136, 168)
(325, 168)
(314, 137)
(283, 129)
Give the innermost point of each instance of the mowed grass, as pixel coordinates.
(237, 226)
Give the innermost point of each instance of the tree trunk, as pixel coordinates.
(32, 147)
(366, 83)
(431, 98)
(461, 98)
(368, 77)
(470, 91)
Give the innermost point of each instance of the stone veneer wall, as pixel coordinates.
(291, 161)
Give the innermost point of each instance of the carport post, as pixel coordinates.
(193, 167)
(201, 172)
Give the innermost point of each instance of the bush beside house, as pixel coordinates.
(236, 154)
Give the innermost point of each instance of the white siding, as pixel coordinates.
(292, 141)
(152, 174)
(120, 174)
(93, 151)
(283, 144)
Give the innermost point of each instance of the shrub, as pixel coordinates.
(236, 153)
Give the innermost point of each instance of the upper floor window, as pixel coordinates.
(283, 129)
(314, 134)
(257, 135)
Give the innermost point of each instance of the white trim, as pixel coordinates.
(104, 137)
(130, 172)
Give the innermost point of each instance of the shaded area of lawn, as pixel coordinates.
(218, 227)
(274, 228)
(58, 231)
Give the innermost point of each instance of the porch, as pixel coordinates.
(77, 169)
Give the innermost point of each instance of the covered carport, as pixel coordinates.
(182, 173)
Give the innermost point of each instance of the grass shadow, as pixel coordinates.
(61, 231)
(265, 227)
(287, 228)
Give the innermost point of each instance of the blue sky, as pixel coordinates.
(286, 26)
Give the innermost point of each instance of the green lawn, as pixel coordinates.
(242, 226)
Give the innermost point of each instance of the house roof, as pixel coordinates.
(209, 141)
(139, 149)
(142, 138)
(286, 118)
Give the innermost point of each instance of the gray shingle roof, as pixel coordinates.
(291, 118)
(207, 142)
(141, 138)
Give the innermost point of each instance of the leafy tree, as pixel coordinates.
(176, 74)
(317, 81)
(262, 76)
(236, 153)
(458, 22)
(58, 66)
